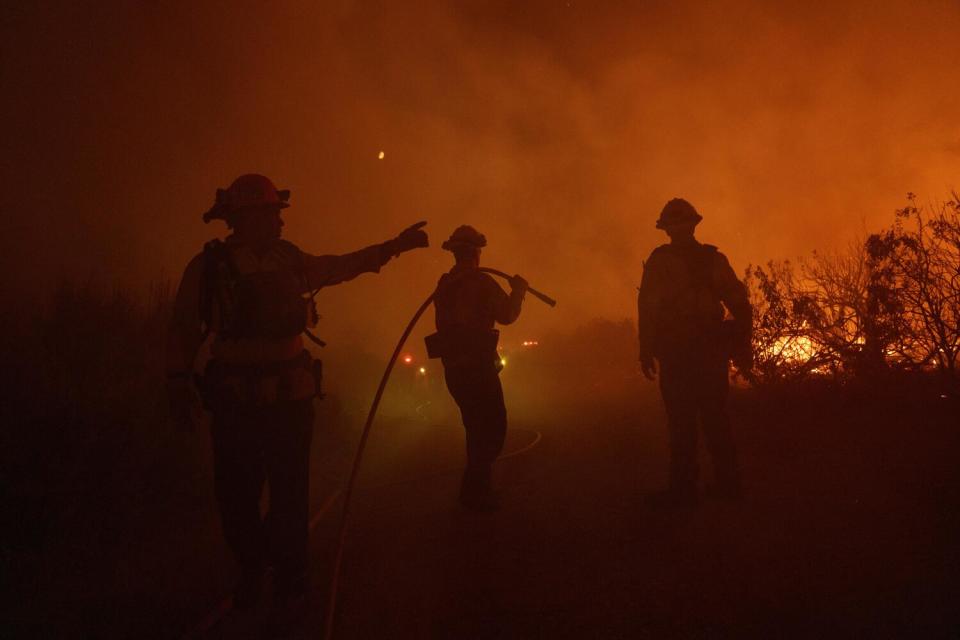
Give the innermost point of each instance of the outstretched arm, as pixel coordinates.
(323, 271)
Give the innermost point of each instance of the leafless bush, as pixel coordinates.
(783, 350)
(917, 260)
(892, 300)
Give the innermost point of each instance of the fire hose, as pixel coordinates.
(364, 435)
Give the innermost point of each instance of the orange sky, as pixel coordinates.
(559, 129)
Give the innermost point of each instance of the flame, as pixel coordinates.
(794, 348)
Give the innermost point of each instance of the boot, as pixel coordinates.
(476, 494)
(485, 501)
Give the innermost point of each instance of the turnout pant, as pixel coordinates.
(476, 390)
(253, 445)
(695, 388)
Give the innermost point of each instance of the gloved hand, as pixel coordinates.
(183, 401)
(649, 367)
(518, 285)
(413, 237)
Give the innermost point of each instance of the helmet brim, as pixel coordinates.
(453, 245)
(670, 224)
(220, 212)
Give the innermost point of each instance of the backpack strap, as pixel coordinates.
(216, 261)
(301, 268)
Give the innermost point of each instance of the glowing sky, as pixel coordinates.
(557, 128)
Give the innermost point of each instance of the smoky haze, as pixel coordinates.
(558, 129)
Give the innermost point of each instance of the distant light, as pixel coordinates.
(423, 371)
(503, 362)
(530, 343)
(408, 358)
(381, 155)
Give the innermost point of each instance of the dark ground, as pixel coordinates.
(849, 530)
(850, 527)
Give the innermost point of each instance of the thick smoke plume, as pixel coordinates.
(557, 128)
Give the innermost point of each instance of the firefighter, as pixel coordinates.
(686, 291)
(468, 305)
(252, 292)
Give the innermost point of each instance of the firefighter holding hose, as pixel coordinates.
(469, 303)
(252, 291)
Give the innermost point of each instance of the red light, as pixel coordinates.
(407, 359)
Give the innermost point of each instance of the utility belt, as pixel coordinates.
(463, 345)
(225, 385)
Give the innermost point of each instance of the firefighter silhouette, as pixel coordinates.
(252, 292)
(468, 305)
(686, 288)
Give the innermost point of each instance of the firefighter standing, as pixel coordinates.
(252, 291)
(685, 287)
(468, 304)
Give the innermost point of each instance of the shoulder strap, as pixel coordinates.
(215, 257)
(300, 268)
(313, 316)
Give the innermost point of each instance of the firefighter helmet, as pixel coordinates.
(677, 211)
(464, 236)
(247, 191)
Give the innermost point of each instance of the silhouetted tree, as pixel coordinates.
(846, 313)
(891, 300)
(917, 260)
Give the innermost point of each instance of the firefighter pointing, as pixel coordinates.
(252, 292)
(468, 305)
(686, 286)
